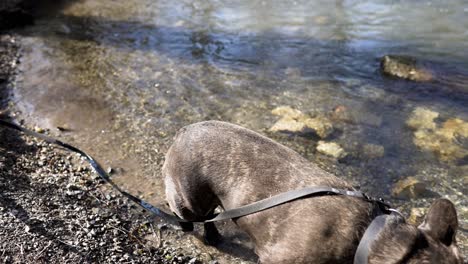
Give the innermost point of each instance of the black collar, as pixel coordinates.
(372, 232)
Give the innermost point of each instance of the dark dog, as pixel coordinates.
(215, 163)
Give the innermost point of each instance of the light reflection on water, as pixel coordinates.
(125, 76)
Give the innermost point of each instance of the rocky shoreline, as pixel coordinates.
(53, 210)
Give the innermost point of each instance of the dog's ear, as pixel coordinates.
(441, 222)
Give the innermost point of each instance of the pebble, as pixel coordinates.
(72, 193)
(417, 215)
(373, 151)
(39, 129)
(331, 149)
(110, 170)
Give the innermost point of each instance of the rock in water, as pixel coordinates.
(422, 118)
(320, 125)
(294, 121)
(411, 188)
(373, 151)
(445, 140)
(405, 68)
(290, 125)
(287, 111)
(331, 149)
(453, 128)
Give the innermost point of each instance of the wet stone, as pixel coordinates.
(294, 121)
(39, 129)
(417, 215)
(453, 128)
(72, 193)
(287, 111)
(342, 113)
(445, 140)
(404, 67)
(411, 188)
(422, 118)
(320, 125)
(373, 151)
(290, 125)
(331, 149)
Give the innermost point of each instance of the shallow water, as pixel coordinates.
(124, 77)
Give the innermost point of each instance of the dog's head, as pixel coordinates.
(432, 242)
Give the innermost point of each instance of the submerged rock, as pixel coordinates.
(404, 67)
(444, 140)
(422, 118)
(373, 151)
(287, 111)
(341, 113)
(453, 128)
(294, 121)
(287, 124)
(411, 188)
(320, 125)
(331, 149)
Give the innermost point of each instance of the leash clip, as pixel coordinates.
(379, 201)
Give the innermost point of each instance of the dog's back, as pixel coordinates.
(215, 163)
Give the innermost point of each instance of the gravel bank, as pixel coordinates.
(53, 210)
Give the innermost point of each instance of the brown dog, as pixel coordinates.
(215, 163)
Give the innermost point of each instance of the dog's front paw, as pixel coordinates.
(186, 227)
(211, 235)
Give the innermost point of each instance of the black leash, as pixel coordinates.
(362, 251)
(291, 196)
(229, 214)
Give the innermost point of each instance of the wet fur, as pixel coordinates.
(216, 163)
